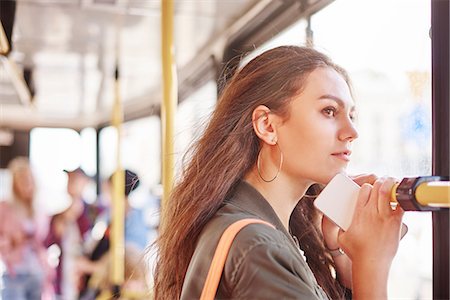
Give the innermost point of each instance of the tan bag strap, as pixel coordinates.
(220, 256)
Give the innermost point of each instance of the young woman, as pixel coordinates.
(22, 231)
(283, 124)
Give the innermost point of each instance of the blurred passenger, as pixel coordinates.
(22, 232)
(136, 229)
(69, 230)
(136, 240)
(135, 275)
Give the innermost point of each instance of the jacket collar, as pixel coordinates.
(247, 198)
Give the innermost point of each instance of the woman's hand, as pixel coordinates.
(329, 229)
(372, 239)
(330, 233)
(375, 228)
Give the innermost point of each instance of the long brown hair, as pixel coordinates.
(225, 153)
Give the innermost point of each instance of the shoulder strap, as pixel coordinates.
(220, 256)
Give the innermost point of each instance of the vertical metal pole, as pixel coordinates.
(97, 162)
(169, 104)
(118, 208)
(440, 14)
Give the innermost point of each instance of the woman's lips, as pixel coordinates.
(345, 156)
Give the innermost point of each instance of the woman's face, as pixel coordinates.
(76, 184)
(23, 185)
(317, 137)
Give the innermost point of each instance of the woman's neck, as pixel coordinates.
(282, 194)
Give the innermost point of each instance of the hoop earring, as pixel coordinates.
(258, 165)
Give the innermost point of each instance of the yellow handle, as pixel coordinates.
(432, 193)
(394, 193)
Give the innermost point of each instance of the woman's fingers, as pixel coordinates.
(363, 196)
(384, 196)
(364, 178)
(373, 199)
(350, 239)
(377, 196)
(373, 213)
(381, 195)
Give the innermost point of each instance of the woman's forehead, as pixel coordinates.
(327, 83)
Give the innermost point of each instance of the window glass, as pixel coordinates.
(293, 35)
(389, 62)
(53, 150)
(142, 154)
(5, 186)
(108, 151)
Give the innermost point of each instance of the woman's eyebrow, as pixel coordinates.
(338, 100)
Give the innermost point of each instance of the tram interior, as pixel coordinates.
(57, 91)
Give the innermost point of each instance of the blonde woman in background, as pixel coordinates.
(22, 231)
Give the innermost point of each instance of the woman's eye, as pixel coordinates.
(330, 111)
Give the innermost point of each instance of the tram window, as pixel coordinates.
(142, 153)
(293, 35)
(192, 117)
(53, 150)
(6, 181)
(88, 144)
(392, 84)
(108, 151)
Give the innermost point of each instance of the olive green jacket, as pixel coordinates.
(263, 263)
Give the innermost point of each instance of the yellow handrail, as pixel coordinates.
(436, 194)
(169, 104)
(117, 245)
(431, 193)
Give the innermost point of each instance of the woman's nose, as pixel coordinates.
(348, 131)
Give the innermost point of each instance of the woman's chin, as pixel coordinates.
(326, 179)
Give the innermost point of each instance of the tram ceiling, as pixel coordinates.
(67, 49)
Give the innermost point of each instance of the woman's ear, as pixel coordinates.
(264, 124)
